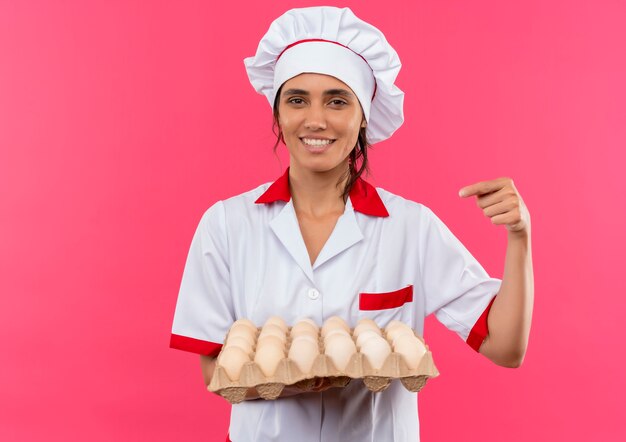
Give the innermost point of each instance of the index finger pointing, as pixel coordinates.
(480, 188)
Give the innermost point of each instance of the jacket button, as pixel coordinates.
(313, 294)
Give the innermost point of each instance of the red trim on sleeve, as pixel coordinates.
(228, 438)
(195, 345)
(480, 330)
(380, 301)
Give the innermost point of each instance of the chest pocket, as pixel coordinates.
(386, 300)
(385, 306)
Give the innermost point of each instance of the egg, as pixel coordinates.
(245, 322)
(268, 357)
(395, 323)
(396, 328)
(339, 335)
(303, 353)
(308, 321)
(297, 332)
(274, 330)
(376, 350)
(241, 342)
(232, 360)
(340, 349)
(242, 332)
(306, 337)
(278, 321)
(304, 327)
(336, 331)
(270, 340)
(311, 339)
(244, 327)
(411, 349)
(366, 335)
(401, 334)
(366, 324)
(332, 323)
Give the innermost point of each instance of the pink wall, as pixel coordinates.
(122, 121)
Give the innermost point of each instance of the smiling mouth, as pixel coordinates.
(316, 143)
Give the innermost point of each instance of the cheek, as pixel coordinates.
(289, 126)
(283, 121)
(283, 118)
(353, 130)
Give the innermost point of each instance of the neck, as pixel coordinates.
(316, 193)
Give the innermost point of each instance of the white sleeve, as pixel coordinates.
(204, 308)
(455, 286)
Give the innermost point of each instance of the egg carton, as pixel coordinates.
(288, 374)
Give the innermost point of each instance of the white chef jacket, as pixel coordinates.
(387, 258)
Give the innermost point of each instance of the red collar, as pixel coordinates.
(364, 197)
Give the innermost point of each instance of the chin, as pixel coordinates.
(322, 166)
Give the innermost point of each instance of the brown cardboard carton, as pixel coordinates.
(288, 373)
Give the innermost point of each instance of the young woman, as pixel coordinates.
(320, 241)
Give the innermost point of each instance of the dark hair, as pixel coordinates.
(359, 152)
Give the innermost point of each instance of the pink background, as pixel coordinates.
(122, 121)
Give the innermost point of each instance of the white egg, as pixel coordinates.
(340, 349)
(242, 332)
(376, 351)
(336, 331)
(241, 342)
(365, 336)
(333, 323)
(248, 323)
(366, 324)
(311, 339)
(303, 331)
(304, 327)
(232, 360)
(411, 349)
(303, 353)
(278, 321)
(400, 335)
(395, 323)
(368, 321)
(273, 330)
(308, 321)
(394, 330)
(268, 357)
(270, 340)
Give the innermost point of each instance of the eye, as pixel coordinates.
(293, 100)
(339, 101)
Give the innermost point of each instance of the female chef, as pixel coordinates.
(320, 241)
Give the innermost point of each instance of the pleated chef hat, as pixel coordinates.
(332, 41)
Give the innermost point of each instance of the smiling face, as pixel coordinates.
(320, 118)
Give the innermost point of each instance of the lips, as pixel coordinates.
(315, 139)
(317, 148)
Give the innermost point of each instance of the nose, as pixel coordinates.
(315, 118)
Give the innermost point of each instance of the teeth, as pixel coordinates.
(311, 142)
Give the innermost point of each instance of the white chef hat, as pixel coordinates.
(332, 41)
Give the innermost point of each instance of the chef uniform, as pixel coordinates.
(387, 257)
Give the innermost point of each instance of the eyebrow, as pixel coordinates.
(341, 92)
